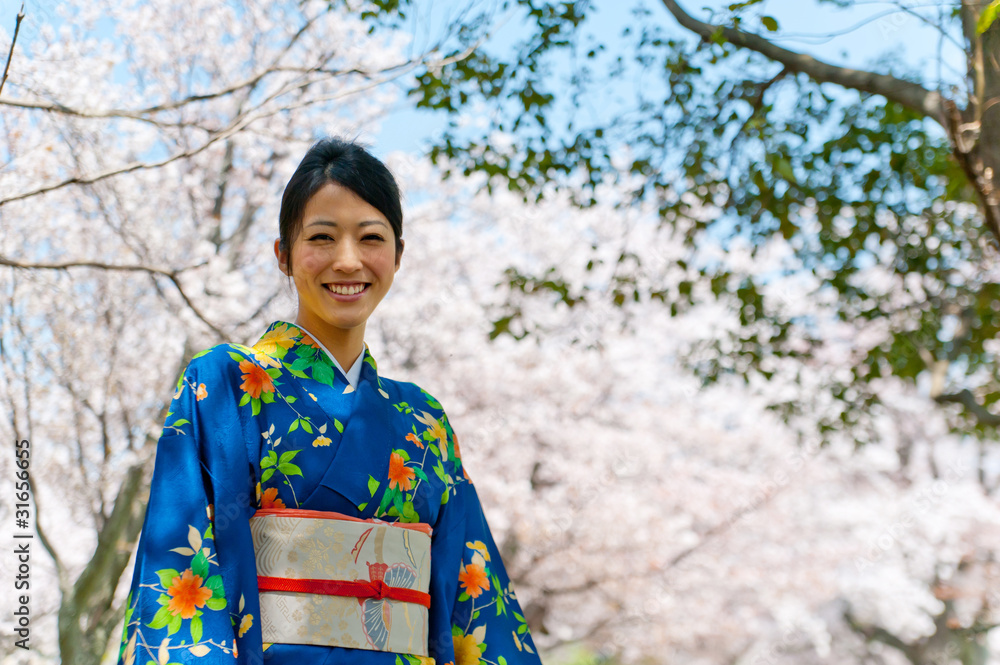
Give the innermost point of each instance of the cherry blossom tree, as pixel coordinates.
(641, 516)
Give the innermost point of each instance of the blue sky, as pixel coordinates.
(870, 30)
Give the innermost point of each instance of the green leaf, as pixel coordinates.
(462, 597)
(245, 399)
(216, 604)
(255, 406)
(174, 625)
(166, 576)
(322, 373)
(288, 456)
(339, 425)
(160, 619)
(289, 469)
(196, 629)
(769, 23)
(386, 500)
(215, 584)
(372, 485)
(988, 16)
(294, 426)
(264, 477)
(419, 472)
(178, 423)
(236, 356)
(306, 426)
(270, 460)
(199, 565)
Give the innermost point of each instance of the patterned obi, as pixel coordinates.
(333, 580)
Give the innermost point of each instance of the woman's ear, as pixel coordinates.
(282, 256)
(399, 254)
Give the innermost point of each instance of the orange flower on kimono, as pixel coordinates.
(202, 392)
(270, 499)
(473, 579)
(466, 650)
(255, 379)
(415, 440)
(399, 475)
(187, 595)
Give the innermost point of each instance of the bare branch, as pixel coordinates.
(968, 400)
(10, 54)
(89, 264)
(238, 124)
(911, 95)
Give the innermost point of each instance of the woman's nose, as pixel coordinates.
(346, 256)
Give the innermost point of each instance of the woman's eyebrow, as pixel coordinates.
(323, 222)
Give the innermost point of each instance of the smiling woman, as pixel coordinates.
(305, 513)
(344, 265)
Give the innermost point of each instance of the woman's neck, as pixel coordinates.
(345, 345)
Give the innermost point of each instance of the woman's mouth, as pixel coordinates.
(347, 290)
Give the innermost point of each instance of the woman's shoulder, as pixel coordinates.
(411, 393)
(221, 361)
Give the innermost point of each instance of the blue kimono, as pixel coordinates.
(278, 426)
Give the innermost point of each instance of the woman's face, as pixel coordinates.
(343, 260)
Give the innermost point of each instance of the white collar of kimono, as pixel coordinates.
(353, 373)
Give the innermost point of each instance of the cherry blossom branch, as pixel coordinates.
(237, 125)
(10, 54)
(172, 275)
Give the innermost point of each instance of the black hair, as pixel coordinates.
(348, 164)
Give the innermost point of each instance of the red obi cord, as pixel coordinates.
(355, 589)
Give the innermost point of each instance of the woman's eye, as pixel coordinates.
(372, 236)
(321, 236)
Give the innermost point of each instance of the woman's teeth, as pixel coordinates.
(347, 290)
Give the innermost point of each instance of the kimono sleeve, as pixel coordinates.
(475, 615)
(193, 596)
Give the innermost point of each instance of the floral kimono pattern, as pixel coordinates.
(278, 426)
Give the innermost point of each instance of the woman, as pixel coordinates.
(303, 513)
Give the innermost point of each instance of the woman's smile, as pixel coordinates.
(351, 291)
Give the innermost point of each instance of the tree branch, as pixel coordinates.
(237, 125)
(172, 275)
(911, 95)
(968, 400)
(10, 54)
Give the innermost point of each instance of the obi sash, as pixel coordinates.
(332, 580)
